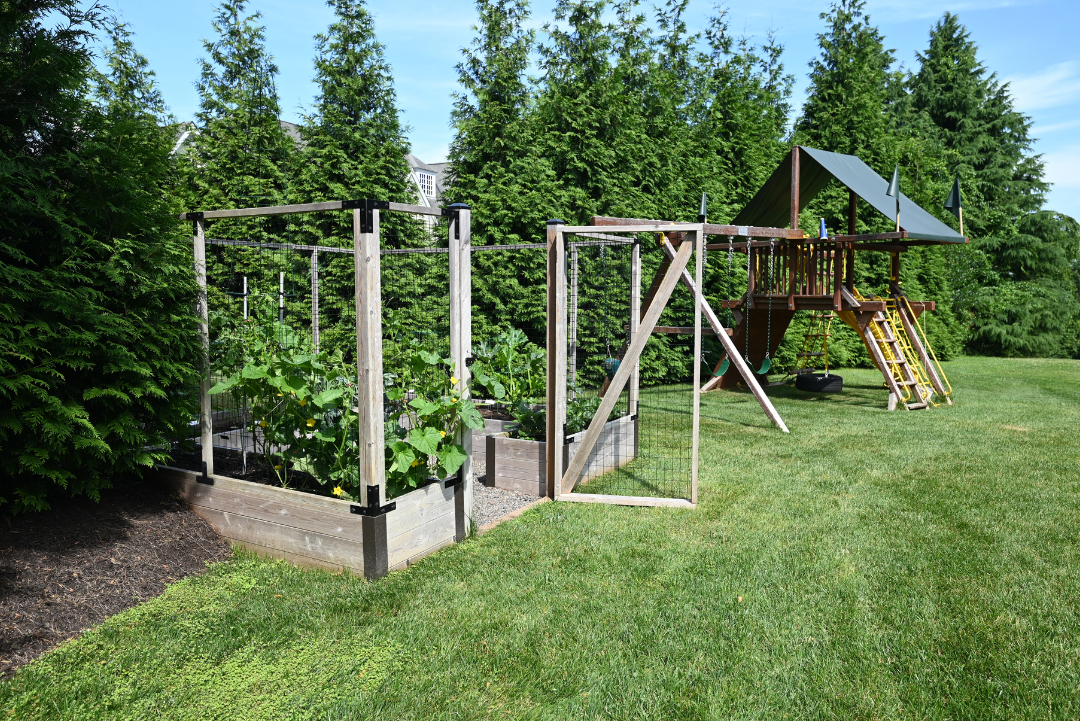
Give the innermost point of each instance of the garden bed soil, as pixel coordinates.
(67, 569)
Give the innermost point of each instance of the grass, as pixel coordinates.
(868, 565)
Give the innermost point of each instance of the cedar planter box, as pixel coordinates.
(311, 530)
(519, 465)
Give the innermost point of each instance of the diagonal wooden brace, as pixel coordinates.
(729, 347)
(622, 375)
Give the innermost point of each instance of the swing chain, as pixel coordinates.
(749, 300)
(772, 287)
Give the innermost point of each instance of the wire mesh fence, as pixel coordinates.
(645, 448)
(282, 290)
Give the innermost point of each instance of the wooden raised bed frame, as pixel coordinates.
(324, 532)
(516, 464)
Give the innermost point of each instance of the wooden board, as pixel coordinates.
(627, 500)
(315, 530)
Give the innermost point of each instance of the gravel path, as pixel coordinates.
(491, 504)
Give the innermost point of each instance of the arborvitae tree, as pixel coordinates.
(844, 109)
(98, 345)
(741, 116)
(354, 143)
(239, 153)
(497, 167)
(354, 146)
(1002, 178)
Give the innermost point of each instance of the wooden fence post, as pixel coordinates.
(460, 232)
(202, 310)
(635, 323)
(556, 356)
(369, 362)
(699, 242)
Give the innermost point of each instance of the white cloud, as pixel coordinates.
(1063, 167)
(1056, 85)
(1040, 130)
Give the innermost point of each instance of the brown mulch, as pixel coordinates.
(67, 569)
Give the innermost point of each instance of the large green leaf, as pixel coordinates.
(254, 372)
(469, 415)
(224, 385)
(425, 440)
(327, 397)
(424, 407)
(451, 457)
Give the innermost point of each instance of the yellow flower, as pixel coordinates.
(442, 434)
(338, 490)
(453, 381)
(303, 401)
(414, 464)
(262, 424)
(453, 400)
(277, 468)
(310, 422)
(279, 395)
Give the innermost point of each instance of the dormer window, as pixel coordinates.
(426, 181)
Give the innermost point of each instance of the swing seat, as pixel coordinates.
(723, 368)
(765, 366)
(819, 382)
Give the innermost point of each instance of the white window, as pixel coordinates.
(426, 182)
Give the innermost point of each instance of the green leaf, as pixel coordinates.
(254, 372)
(224, 386)
(327, 397)
(403, 456)
(424, 407)
(426, 440)
(469, 415)
(451, 457)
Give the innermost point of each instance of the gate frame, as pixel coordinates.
(560, 486)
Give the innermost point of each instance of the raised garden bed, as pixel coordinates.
(311, 530)
(520, 465)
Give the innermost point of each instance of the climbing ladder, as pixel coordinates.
(899, 350)
(815, 343)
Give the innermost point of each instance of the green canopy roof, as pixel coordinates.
(771, 207)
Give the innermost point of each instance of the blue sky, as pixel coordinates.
(1030, 43)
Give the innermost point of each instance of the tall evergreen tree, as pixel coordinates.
(98, 344)
(239, 153)
(741, 117)
(496, 165)
(844, 109)
(355, 144)
(990, 138)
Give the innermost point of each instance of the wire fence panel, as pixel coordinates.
(645, 448)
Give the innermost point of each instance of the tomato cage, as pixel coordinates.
(334, 424)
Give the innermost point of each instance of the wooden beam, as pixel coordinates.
(879, 360)
(868, 237)
(699, 302)
(329, 205)
(369, 362)
(622, 375)
(745, 231)
(795, 180)
(635, 321)
(556, 358)
(627, 500)
(852, 205)
(460, 281)
(683, 330)
(202, 310)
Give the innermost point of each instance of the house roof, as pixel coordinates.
(771, 207)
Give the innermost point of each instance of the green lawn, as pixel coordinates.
(868, 565)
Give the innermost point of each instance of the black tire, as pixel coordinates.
(819, 383)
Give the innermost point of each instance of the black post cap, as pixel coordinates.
(459, 206)
(556, 221)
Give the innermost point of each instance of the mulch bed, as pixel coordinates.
(67, 569)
